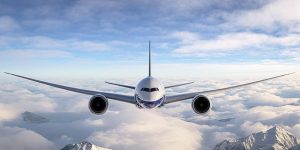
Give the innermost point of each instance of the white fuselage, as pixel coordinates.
(150, 93)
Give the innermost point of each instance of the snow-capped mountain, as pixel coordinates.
(275, 138)
(83, 146)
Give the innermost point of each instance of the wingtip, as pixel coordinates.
(290, 73)
(10, 74)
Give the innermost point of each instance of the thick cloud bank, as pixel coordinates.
(175, 126)
(13, 138)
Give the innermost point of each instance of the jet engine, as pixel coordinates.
(201, 104)
(98, 104)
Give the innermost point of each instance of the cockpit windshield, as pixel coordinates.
(149, 89)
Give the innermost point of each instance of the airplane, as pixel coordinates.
(149, 93)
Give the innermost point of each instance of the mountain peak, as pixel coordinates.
(279, 136)
(33, 118)
(277, 129)
(276, 138)
(84, 145)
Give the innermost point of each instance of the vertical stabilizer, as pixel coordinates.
(149, 58)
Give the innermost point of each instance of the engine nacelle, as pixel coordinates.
(98, 104)
(201, 104)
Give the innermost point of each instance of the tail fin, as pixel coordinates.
(149, 59)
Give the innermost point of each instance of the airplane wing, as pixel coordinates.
(178, 85)
(118, 97)
(180, 97)
(122, 85)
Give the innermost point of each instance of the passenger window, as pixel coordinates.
(154, 89)
(149, 90)
(145, 89)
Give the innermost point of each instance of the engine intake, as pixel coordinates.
(201, 104)
(98, 104)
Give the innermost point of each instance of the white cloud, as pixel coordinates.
(48, 43)
(13, 138)
(90, 9)
(273, 15)
(268, 99)
(156, 132)
(203, 71)
(183, 7)
(8, 24)
(186, 37)
(191, 44)
(98, 122)
(293, 53)
(296, 130)
(7, 112)
(253, 127)
(175, 126)
(47, 24)
(35, 54)
(15, 100)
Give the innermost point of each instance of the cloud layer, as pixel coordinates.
(124, 126)
(192, 44)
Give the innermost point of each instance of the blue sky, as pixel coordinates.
(87, 37)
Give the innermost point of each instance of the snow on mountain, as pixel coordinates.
(83, 146)
(275, 138)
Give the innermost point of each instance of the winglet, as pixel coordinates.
(149, 58)
(292, 73)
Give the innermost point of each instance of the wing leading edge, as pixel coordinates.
(180, 97)
(118, 97)
(121, 85)
(176, 85)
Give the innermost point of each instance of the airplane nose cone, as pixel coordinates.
(150, 89)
